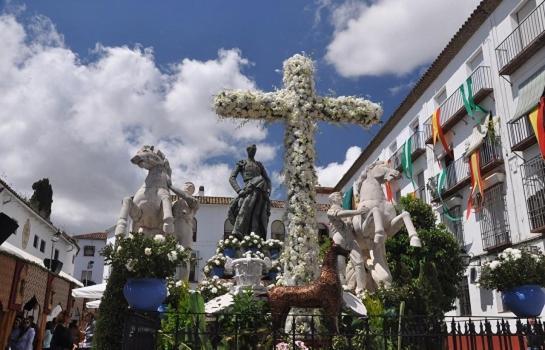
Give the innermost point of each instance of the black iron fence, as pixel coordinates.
(247, 332)
(528, 32)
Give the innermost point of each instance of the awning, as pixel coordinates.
(95, 304)
(91, 292)
(530, 94)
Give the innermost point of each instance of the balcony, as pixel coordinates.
(493, 219)
(533, 182)
(523, 42)
(521, 133)
(453, 110)
(456, 227)
(458, 171)
(417, 148)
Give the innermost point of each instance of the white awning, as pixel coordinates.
(90, 292)
(530, 94)
(95, 304)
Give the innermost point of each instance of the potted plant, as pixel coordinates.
(251, 242)
(229, 246)
(215, 266)
(274, 246)
(213, 287)
(147, 262)
(519, 275)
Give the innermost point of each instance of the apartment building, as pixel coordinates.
(499, 52)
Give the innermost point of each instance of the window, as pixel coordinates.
(86, 275)
(463, 298)
(227, 229)
(278, 230)
(525, 10)
(441, 97)
(56, 256)
(493, 220)
(193, 266)
(36, 241)
(89, 250)
(421, 183)
(415, 125)
(42, 246)
(194, 230)
(393, 147)
(475, 61)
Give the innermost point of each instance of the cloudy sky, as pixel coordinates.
(84, 83)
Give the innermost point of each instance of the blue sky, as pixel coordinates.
(103, 63)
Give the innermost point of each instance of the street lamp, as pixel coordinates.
(52, 264)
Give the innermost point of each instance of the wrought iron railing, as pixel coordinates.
(533, 182)
(458, 171)
(452, 109)
(417, 147)
(233, 331)
(528, 36)
(493, 219)
(521, 134)
(456, 227)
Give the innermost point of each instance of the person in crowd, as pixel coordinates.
(74, 330)
(25, 340)
(48, 335)
(89, 330)
(16, 330)
(62, 337)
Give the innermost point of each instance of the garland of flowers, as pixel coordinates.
(298, 105)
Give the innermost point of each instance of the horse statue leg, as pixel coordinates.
(405, 219)
(128, 208)
(168, 218)
(380, 271)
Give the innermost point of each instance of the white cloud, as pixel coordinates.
(79, 123)
(329, 175)
(393, 36)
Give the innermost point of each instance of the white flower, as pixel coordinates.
(130, 264)
(130, 236)
(173, 255)
(215, 277)
(214, 290)
(178, 284)
(159, 238)
(494, 264)
(118, 249)
(147, 251)
(217, 262)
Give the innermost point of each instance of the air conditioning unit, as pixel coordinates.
(8, 226)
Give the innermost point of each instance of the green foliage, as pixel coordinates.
(142, 256)
(112, 314)
(324, 247)
(416, 279)
(514, 268)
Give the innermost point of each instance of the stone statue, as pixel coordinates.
(184, 210)
(250, 210)
(380, 221)
(151, 207)
(342, 233)
(42, 198)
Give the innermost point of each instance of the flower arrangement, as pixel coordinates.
(230, 242)
(255, 255)
(213, 287)
(273, 244)
(299, 345)
(298, 104)
(514, 268)
(217, 260)
(142, 256)
(251, 241)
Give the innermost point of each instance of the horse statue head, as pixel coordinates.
(148, 157)
(380, 171)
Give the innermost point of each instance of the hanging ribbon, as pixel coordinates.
(348, 199)
(477, 182)
(437, 131)
(466, 89)
(536, 119)
(407, 163)
(389, 193)
(441, 182)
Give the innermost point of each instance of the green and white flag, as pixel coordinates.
(467, 97)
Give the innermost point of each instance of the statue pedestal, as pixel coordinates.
(248, 273)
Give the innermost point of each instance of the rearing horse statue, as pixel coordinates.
(380, 221)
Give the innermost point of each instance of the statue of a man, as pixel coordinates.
(250, 210)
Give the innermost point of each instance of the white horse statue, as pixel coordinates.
(379, 223)
(151, 208)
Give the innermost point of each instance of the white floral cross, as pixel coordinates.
(299, 107)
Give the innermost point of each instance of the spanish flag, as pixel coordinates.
(437, 131)
(389, 193)
(477, 182)
(536, 119)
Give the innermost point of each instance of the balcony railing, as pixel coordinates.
(523, 42)
(493, 219)
(520, 133)
(533, 182)
(458, 171)
(453, 110)
(417, 148)
(456, 227)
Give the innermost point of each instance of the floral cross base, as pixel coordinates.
(299, 107)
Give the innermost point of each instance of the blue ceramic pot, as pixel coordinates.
(524, 301)
(274, 253)
(272, 275)
(230, 252)
(145, 294)
(253, 250)
(218, 271)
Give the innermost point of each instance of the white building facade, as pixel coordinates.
(89, 264)
(500, 47)
(36, 235)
